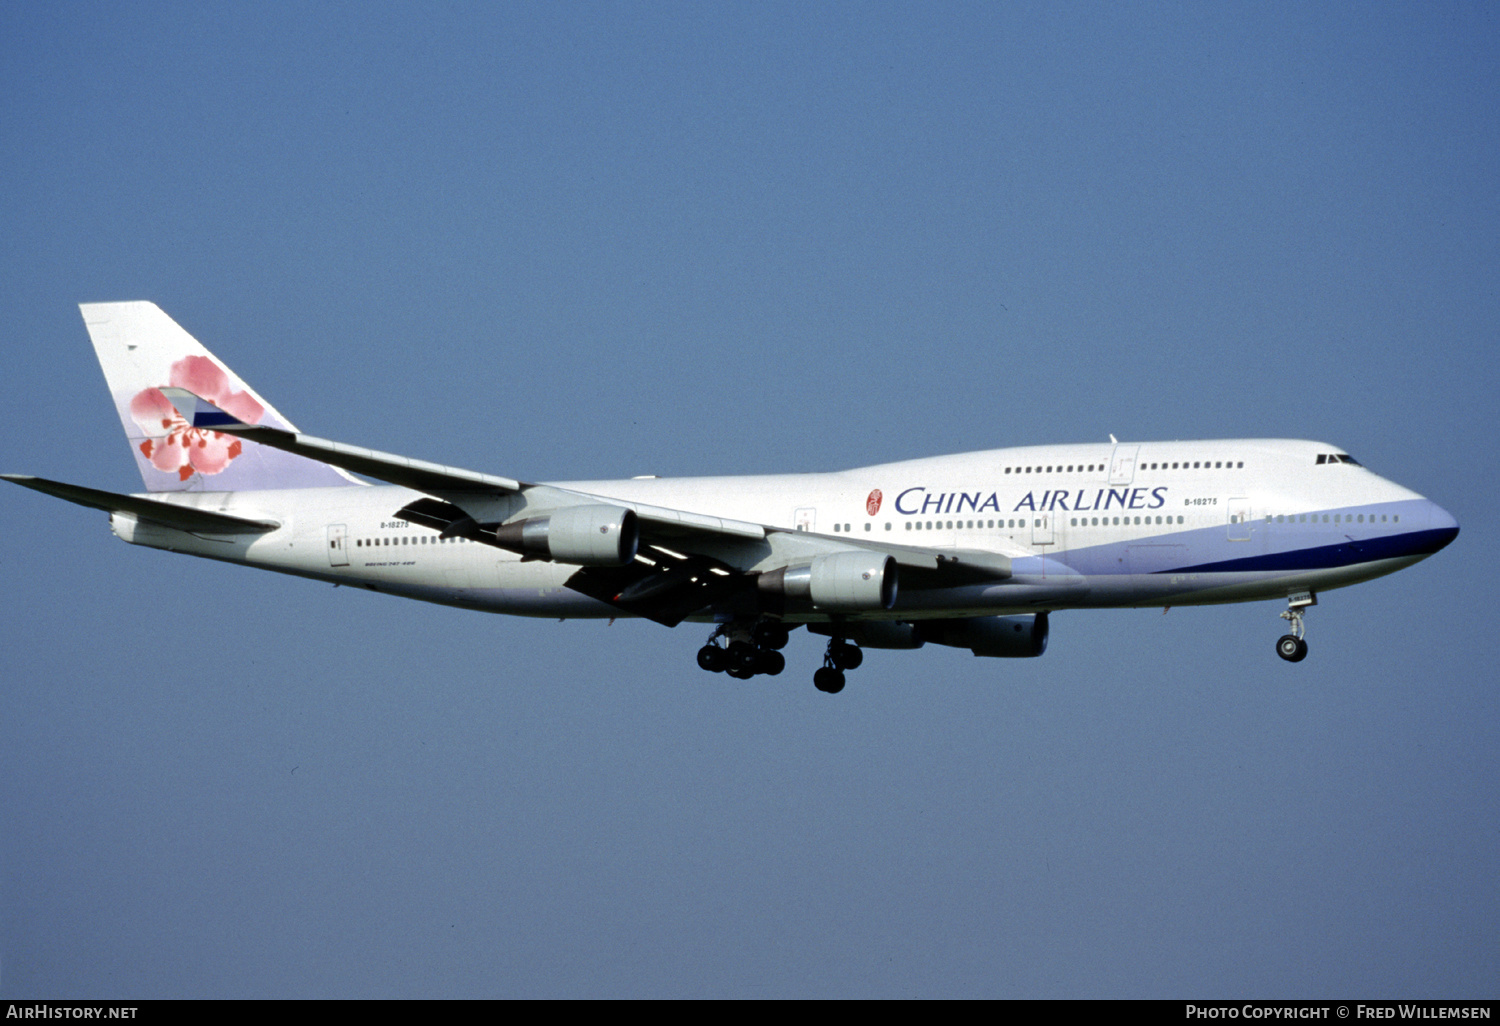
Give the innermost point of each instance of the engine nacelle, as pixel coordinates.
(1014, 637)
(872, 633)
(837, 582)
(583, 535)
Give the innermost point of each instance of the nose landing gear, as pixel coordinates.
(1293, 647)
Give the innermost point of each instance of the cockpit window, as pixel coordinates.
(1344, 457)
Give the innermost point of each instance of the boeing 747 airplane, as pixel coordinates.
(972, 550)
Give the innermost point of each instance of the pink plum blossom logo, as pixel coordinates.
(175, 446)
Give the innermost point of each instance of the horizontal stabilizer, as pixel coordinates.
(168, 514)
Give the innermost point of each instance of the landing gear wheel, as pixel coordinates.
(739, 673)
(713, 659)
(845, 656)
(1291, 648)
(743, 656)
(769, 662)
(771, 635)
(829, 680)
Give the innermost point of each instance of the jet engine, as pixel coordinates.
(1016, 637)
(837, 582)
(582, 535)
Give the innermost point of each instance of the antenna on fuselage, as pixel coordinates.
(1113, 440)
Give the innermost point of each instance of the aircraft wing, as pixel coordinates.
(383, 466)
(689, 560)
(169, 514)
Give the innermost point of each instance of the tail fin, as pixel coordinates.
(142, 351)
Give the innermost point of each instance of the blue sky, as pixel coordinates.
(594, 240)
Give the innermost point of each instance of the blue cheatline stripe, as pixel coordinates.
(1415, 543)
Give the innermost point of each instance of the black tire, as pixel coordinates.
(742, 655)
(713, 658)
(770, 662)
(1291, 648)
(772, 635)
(828, 680)
(847, 656)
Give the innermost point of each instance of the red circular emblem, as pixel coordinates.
(872, 504)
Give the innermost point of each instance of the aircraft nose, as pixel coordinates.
(1442, 527)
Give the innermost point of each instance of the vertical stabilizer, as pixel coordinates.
(142, 351)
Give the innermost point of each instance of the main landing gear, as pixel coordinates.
(840, 656)
(751, 649)
(1293, 647)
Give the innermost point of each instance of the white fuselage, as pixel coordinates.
(1165, 523)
